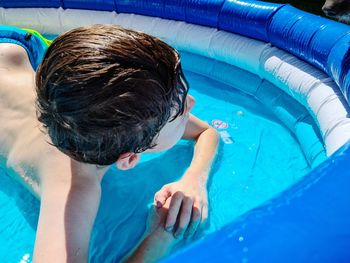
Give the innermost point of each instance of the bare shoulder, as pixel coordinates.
(13, 56)
(16, 77)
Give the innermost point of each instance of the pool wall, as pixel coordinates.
(319, 41)
(310, 220)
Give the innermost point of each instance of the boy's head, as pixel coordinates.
(104, 91)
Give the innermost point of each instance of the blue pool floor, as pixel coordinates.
(257, 159)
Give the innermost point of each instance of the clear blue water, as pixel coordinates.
(259, 159)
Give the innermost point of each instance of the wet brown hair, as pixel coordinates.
(103, 90)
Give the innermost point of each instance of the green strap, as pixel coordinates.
(36, 33)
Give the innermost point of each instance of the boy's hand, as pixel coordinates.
(188, 209)
(156, 242)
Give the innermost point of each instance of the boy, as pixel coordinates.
(104, 95)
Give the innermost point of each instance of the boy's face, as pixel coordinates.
(168, 136)
(172, 132)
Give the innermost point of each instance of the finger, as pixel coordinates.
(204, 219)
(161, 196)
(195, 221)
(174, 208)
(185, 217)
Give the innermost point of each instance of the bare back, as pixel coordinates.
(24, 147)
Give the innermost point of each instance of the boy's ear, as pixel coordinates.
(127, 161)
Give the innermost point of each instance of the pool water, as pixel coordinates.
(257, 159)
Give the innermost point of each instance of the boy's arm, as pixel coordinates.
(70, 196)
(153, 247)
(68, 208)
(189, 198)
(156, 243)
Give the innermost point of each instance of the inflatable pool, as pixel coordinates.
(294, 63)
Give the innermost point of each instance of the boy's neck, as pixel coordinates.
(101, 170)
(86, 169)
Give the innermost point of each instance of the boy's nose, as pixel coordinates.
(190, 101)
